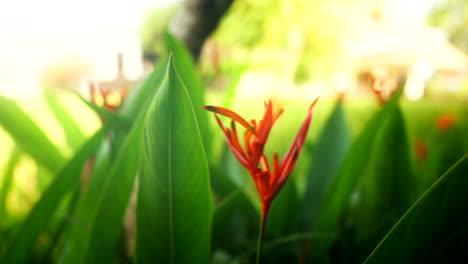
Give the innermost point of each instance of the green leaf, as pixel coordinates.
(29, 136)
(232, 170)
(77, 232)
(6, 180)
(385, 189)
(189, 76)
(235, 220)
(38, 219)
(329, 152)
(235, 217)
(106, 223)
(72, 132)
(174, 198)
(102, 206)
(340, 190)
(140, 96)
(110, 118)
(431, 223)
(282, 215)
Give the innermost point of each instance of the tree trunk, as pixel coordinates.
(196, 20)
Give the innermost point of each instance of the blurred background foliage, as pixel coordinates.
(452, 17)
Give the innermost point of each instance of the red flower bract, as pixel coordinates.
(269, 178)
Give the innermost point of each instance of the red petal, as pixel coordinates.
(289, 160)
(226, 112)
(264, 162)
(235, 140)
(265, 124)
(274, 168)
(240, 156)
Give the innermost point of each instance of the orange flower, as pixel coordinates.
(420, 150)
(109, 100)
(445, 121)
(269, 178)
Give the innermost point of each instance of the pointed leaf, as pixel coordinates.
(431, 223)
(174, 198)
(339, 192)
(385, 189)
(140, 96)
(187, 73)
(102, 206)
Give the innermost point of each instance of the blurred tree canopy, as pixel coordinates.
(313, 31)
(304, 37)
(151, 33)
(452, 17)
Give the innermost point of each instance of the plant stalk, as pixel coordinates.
(265, 208)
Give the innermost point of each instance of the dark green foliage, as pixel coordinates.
(434, 227)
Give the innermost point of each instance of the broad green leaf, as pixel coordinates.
(29, 136)
(235, 220)
(189, 76)
(384, 191)
(102, 206)
(174, 197)
(340, 190)
(38, 219)
(329, 151)
(72, 132)
(430, 225)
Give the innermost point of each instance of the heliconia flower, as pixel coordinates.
(109, 100)
(268, 178)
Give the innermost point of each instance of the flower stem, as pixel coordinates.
(265, 208)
